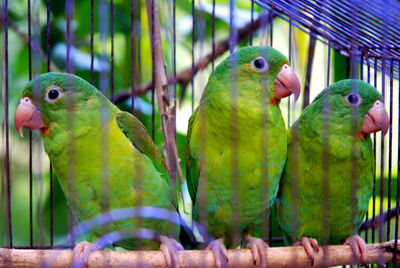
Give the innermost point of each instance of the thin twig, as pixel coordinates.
(35, 46)
(161, 86)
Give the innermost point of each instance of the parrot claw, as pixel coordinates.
(310, 245)
(358, 246)
(219, 251)
(170, 248)
(257, 247)
(82, 252)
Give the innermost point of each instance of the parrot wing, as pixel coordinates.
(135, 131)
(192, 173)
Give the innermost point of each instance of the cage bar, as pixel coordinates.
(30, 132)
(194, 36)
(6, 126)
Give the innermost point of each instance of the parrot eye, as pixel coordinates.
(260, 65)
(53, 94)
(353, 99)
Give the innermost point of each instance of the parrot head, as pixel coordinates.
(48, 98)
(260, 67)
(355, 98)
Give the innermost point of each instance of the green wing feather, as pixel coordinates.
(192, 173)
(137, 134)
(135, 131)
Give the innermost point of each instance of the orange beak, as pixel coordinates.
(376, 119)
(27, 116)
(287, 83)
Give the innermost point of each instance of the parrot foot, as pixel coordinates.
(310, 245)
(170, 248)
(358, 246)
(82, 252)
(219, 251)
(257, 247)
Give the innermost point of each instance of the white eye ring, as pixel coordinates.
(53, 94)
(260, 65)
(354, 99)
(25, 100)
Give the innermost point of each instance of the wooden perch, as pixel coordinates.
(276, 257)
(185, 76)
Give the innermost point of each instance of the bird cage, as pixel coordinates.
(153, 59)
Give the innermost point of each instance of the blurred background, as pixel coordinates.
(100, 51)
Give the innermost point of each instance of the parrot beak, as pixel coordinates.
(287, 83)
(376, 119)
(27, 116)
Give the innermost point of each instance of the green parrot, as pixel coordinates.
(236, 147)
(103, 158)
(327, 181)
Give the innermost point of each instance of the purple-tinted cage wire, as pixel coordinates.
(367, 41)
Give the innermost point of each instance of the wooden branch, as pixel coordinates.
(167, 110)
(276, 257)
(185, 76)
(35, 47)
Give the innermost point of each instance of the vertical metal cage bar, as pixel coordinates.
(328, 65)
(266, 218)
(50, 167)
(174, 58)
(213, 36)
(384, 40)
(194, 29)
(251, 21)
(347, 67)
(368, 80)
(112, 48)
(69, 6)
(325, 156)
(91, 41)
(375, 77)
(271, 27)
(362, 78)
(153, 110)
(132, 36)
(291, 62)
(30, 132)
(361, 66)
(396, 230)
(6, 113)
(48, 31)
(69, 38)
(271, 42)
(389, 183)
(382, 165)
(234, 127)
(355, 168)
(311, 51)
(29, 41)
(326, 159)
